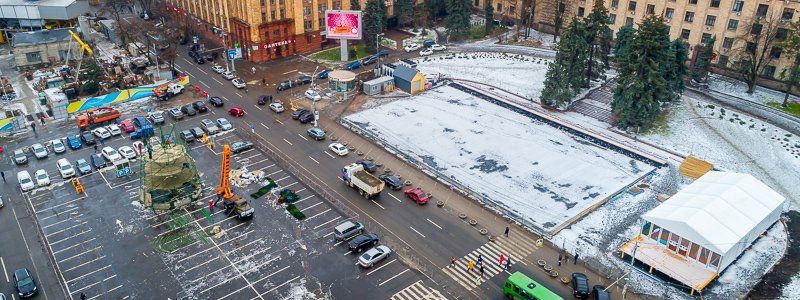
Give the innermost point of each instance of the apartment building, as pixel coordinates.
(542, 15)
(263, 29)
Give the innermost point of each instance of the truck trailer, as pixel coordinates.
(356, 177)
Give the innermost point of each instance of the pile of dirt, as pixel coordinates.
(771, 285)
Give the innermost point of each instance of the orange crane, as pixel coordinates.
(224, 188)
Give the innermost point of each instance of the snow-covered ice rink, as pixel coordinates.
(544, 174)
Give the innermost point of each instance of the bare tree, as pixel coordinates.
(757, 47)
(114, 9)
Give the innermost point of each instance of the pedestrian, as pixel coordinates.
(560, 256)
(263, 81)
(150, 152)
(252, 128)
(508, 263)
(211, 206)
(502, 258)
(506, 232)
(33, 126)
(83, 296)
(245, 90)
(576, 258)
(481, 271)
(41, 119)
(95, 147)
(4, 175)
(253, 70)
(102, 141)
(452, 258)
(480, 259)
(218, 199)
(470, 265)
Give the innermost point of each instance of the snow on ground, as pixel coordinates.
(791, 290)
(519, 74)
(736, 88)
(547, 177)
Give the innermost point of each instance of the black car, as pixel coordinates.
(382, 53)
(297, 113)
(264, 99)
(187, 136)
(193, 53)
(216, 101)
(199, 60)
(200, 106)
(580, 285)
(210, 56)
(304, 79)
(306, 117)
(285, 85)
(197, 131)
(97, 161)
(184, 40)
(24, 283)
(238, 147)
(599, 293)
(370, 60)
(188, 110)
(369, 166)
(363, 242)
(392, 181)
(88, 138)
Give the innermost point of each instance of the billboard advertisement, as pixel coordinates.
(343, 24)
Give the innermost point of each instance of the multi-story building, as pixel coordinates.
(540, 15)
(263, 29)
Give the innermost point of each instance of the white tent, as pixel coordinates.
(721, 211)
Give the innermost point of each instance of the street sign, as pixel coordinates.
(123, 172)
(231, 53)
(238, 53)
(195, 39)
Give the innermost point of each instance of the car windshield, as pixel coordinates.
(19, 154)
(25, 180)
(82, 164)
(223, 122)
(41, 176)
(38, 149)
(366, 256)
(111, 152)
(65, 167)
(25, 281)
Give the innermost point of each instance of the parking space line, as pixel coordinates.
(204, 84)
(434, 224)
(326, 223)
(279, 121)
(326, 152)
(317, 215)
(217, 80)
(87, 274)
(273, 173)
(254, 282)
(265, 126)
(86, 263)
(378, 204)
(280, 285)
(282, 178)
(259, 107)
(260, 161)
(57, 215)
(302, 137)
(327, 235)
(109, 291)
(59, 222)
(393, 277)
(69, 237)
(306, 198)
(395, 198)
(288, 142)
(291, 184)
(65, 229)
(62, 204)
(240, 95)
(311, 206)
(412, 228)
(73, 246)
(5, 272)
(223, 243)
(93, 284)
(381, 267)
(313, 159)
(79, 254)
(201, 264)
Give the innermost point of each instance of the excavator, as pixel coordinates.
(233, 203)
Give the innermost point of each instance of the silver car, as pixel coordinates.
(209, 126)
(347, 229)
(20, 157)
(39, 151)
(373, 256)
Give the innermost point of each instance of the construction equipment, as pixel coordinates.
(84, 47)
(97, 116)
(356, 177)
(232, 204)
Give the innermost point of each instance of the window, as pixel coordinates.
(581, 10)
(499, 7)
(706, 37)
(788, 14)
(306, 11)
(612, 18)
(683, 247)
(629, 21)
(646, 228)
(710, 20)
(476, 3)
(664, 236)
(723, 61)
(512, 10)
(651, 9)
(703, 259)
(272, 15)
(756, 29)
(780, 33)
(673, 242)
(33, 57)
(283, 14)
(751, 47)
(733, 24)
(271, 2)
(714, 260)
(321, 8)
(775, 52)
(737, 6)
(727, 43)
(263, 2)
(632, 6)
(715, 3)
(276, 33)
(692, 1)
(655, 232)
(762, 10)
(614, 3)
(688, 17)
(685, 34)
(693, 250)
(308, 24)
(769, 71)
(668, 13)
(322, 23)
(263, 17)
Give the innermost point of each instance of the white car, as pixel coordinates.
(426, 52)
(412, 47)
(437, 47)
(374, 255)
(339, 149)
(25, 181)
(276, 107)
(42, 179)
(58, 146)
(219, 69)
(127, 152)
(138, 146)
(110, 154)
(39, 151)
(228, 75)
(65, 168)
(101, 133)
(238, 83)
(313, 95)
(224, 124)
(114, 129)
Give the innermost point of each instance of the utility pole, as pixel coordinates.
(225, 49)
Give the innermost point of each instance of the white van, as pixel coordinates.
(25, 181)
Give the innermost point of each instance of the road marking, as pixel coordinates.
(109, 291)
(326, 223)
(313, 159)
(257, 281)
(201, 70)
(62, 204)
(203, 83)
(240, 95)
(306, 198)
(395, 198)
(302, 137)
(217, 80)
(348, 252)
(331, 155)
(311, 217)
(318, 203)
(59, 222)
(69, 237)
(73, 246)
(87, 274)
(376, 203)
(186, 60)
(282, 284)
(5, 272)
(93, 284)
(65, 229)
(381, 267)
(265, 126)
(259, 108)
(288, 142)
(412, 228)
(86, 263)
(292, 71)
(434, 224)
(279, 121)
(79, 254)
(393, 277)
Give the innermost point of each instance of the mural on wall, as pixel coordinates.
(7, 124)
(121, 96)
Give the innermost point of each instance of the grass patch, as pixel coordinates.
(296, 213)
(792, 107)
(332, 54)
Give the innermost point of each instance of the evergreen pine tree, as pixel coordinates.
(565, 74)
(457, 20)
(703, 61)
(676, 68)
(624, 37)
(641, 85)
(556, 90)
(598, 40)
(404, 10)
(355, 5)
(488, 13)
(373, 23)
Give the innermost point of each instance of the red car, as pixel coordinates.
(127, 126)
(237, 111)
(417, 195)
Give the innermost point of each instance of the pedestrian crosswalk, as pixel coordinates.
(515, 247)
(417, 291)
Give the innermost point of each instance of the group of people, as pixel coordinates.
(504, 262)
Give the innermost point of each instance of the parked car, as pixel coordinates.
(324, 74)
(187, 136)
(580, 285)
(347, 229)
(114, 129)
(276, 107)
(426, 52)
(42, 179)
(24, 283)
(316, 133)
(110, 154)
(339, 149)
(417, 195)
(97, 161)
(437, 47)
(157, 117)
(175, 113)
(369, 166)
(219, 69)
(353, 65)
(238, 83)
(88, 138)
(411, 47)
(58, 146)
(127, 125)
(303, 79)
(209, 126)
(239, 147)
(373, 256)
(25, 181)
(228, 75)
(199, 60)
(197, 132)
(200, 106)
(223, 124)
(363, 242)
(237, 111)
(20, 157)
(428, 43)
(285, 85)
(391, 181)
(599, 293)
(74, 142)
(306, 117)
(313, 95)
(127, 152)
(216, 101)
(188, 110)
(39, 151)
(65, 168)
(101, 132)
(382, 53)
(297, 113)
(83, 166)
(264, 99)
(370, 60)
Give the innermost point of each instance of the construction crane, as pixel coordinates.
(84, 47)
(224, 187)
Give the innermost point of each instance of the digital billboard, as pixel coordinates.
(343, 24)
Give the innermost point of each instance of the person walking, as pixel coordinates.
(253, 70)
(218, 199)
(560, 257)
(576, 258)
(470, 265)
(506, 231)
(33, 126)
(83, 296)
(508, 263)
(452, 258)
(263, 81)
(102, 141)
(211, 206)
(481, 271)
(95, 147)
(502, 258)
(4, 175)
(480, 259)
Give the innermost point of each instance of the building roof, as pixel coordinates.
(718, 210)
(379, 80)
(405, 73)
(40, 37)
(108, 23)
